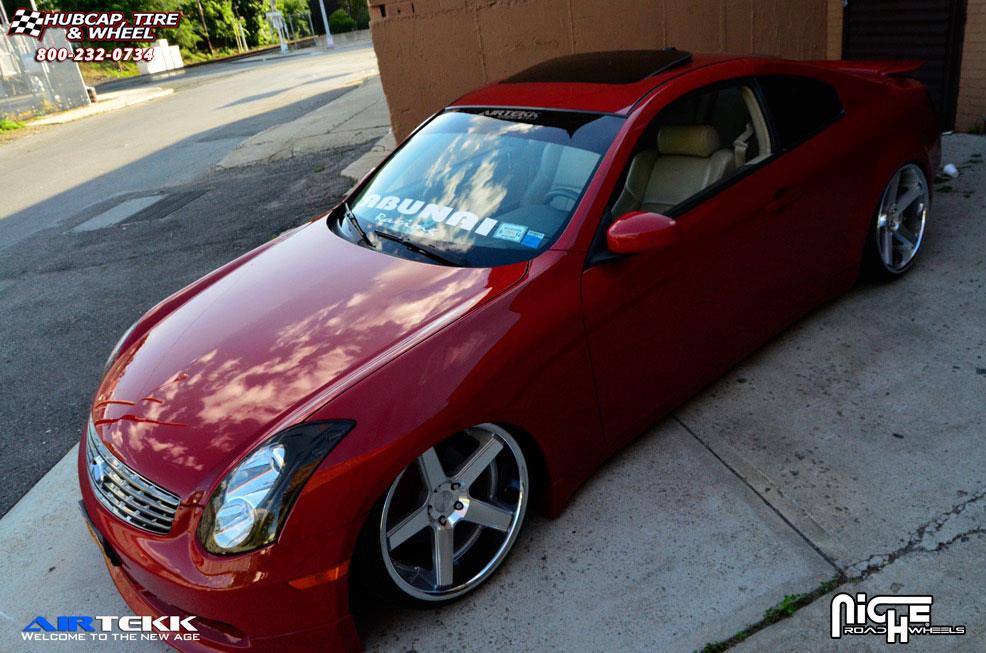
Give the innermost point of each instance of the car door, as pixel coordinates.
(816, 181)
(663, 323)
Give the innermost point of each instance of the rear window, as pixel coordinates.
(800, 107)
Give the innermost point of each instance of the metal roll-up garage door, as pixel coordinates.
(929, 30)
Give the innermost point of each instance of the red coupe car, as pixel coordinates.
(373, 401)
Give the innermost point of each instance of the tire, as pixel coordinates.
(435, 536)
(897, 231)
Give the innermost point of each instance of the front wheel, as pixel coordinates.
(449, 519)
(898, 230)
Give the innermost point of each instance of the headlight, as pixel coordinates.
(250, 505)
(118, 345)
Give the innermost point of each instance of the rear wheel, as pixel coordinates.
(449, 519)
(898, 230)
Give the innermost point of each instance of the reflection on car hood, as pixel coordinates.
(265, 345)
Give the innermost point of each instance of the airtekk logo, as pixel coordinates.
(107, 628)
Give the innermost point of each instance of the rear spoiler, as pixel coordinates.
(878, 68)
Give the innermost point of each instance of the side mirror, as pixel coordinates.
(640, 231)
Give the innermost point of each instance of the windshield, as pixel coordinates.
(479, 187)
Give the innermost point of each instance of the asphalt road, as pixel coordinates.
(65, 296)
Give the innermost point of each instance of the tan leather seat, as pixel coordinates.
(687, 160)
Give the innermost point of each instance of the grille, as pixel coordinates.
(125, 493)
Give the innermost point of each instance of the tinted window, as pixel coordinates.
(800, 107)
(480, 187)
(695, 143)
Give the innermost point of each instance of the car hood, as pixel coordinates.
(268, 343)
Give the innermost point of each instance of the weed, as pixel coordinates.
(790, 604)
(6, 124)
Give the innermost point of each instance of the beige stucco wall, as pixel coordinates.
(432, 51)
(971, 110)
(833, 48)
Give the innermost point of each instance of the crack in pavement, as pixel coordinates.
(777, 511)
(962, 520)
(956, 524)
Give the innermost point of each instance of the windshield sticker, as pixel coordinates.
(510, 231)
(388, 203)
(511, 114)
(486, 227)
(532, 239)
(463, 220)
(435, 212)
(410, 215)
(410, 206)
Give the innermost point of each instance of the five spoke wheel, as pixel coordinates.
(450, 518)
(901, 219)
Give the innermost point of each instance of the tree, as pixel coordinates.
(340, 21)
(358, 10)
(205, 28)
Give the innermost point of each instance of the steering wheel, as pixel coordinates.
(566, 193)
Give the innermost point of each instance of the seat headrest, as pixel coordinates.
(688, 140)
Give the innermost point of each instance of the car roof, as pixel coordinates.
(601, 82)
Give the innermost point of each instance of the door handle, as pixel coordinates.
(782, 198)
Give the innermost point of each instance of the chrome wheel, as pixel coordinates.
(451, 517)
(901, 219)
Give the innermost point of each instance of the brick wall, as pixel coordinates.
(972, 82)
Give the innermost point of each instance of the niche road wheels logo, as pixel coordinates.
(896, 617)
(106, 628)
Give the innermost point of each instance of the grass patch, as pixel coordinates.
(787, 607)
(97, 72)
(199, 57)
(6, 125)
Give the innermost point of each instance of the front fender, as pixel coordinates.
(520, 359)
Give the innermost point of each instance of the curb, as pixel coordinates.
(103, 106)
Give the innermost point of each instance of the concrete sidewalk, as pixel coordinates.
(51, 566)
(105, 102)
(849, 447)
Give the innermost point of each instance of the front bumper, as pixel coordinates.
(295, 600)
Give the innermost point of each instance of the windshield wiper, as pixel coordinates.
(354, 223)
(424, 250)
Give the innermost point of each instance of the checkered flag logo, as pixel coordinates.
(26, 23)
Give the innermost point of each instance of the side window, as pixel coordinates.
(799, 107)
(696, 143)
